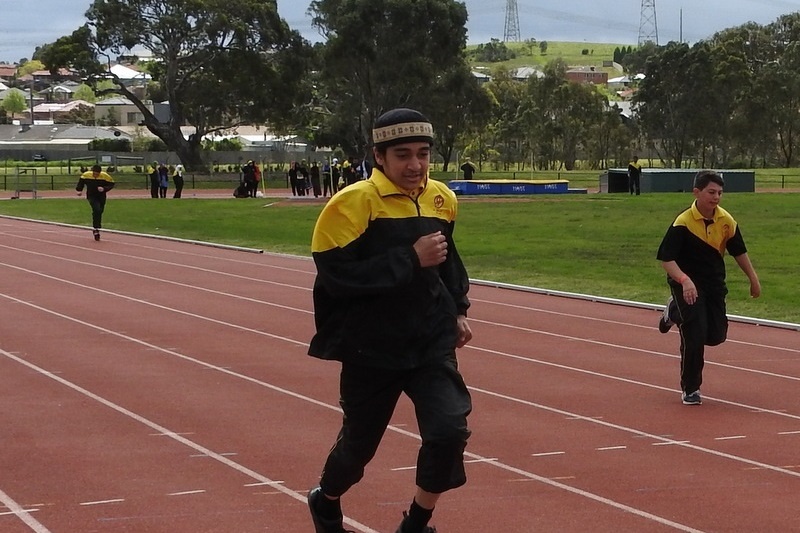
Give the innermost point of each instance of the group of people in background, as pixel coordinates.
(327, 179)
(160, 177)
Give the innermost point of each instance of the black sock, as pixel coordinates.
(329, 509)
(418, 518)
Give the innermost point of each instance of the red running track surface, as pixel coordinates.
(163, 387)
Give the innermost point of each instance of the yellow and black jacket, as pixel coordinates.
(92, 182)
(374, 304)
(698, 246)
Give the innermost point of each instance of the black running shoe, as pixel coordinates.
(96, 235)
(321, 524)
(427, 529)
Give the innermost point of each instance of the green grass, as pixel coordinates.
(570, 52)
(598, 244)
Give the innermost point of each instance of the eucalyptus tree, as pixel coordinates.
(458, 108)
(504, 137)
(381, 54)
(675, 101)
(779, 86)
(558, 116)
(219, 64)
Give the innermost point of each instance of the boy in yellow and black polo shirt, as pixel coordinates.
(635, 176)
(97, 184)
(692, 254)
(390, 302)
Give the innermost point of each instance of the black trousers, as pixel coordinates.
(368, 398)
(98, 205)
(633, 183)
(178, 181)
(704, 323)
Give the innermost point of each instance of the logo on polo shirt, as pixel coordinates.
(438, 201)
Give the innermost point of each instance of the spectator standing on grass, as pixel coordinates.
(177, 179)
(634, 175)
(327, 190)
(155, 180)
(97, 184)
(163, 180)
(302, 178)
(468, 169)
(390, 303)
(313, 173)
(692, 253)
(293, 177)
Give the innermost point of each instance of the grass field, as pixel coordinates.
(596, 244)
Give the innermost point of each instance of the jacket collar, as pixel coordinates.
(386, 187)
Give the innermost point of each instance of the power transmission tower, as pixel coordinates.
(648, 26)
(511, 30)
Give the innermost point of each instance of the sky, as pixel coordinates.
(24, 24)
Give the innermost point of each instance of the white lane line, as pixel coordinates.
(23, 514)
(567, 368)
(103, 502)
(670, 443)
(731, 437)
(161, 429)
(503, 466)
(186, 492)
(634, 431)
(482, 460)
(611, 448)
(547, 454)
(789, 433)
(296, 495)
(628, 348)
(262, 484)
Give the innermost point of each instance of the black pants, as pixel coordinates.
(178, 181)
(704, 323)
(98, 204)
(368, 399)
(633, 183)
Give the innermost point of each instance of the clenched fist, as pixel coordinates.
(431, 249)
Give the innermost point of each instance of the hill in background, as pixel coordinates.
(529, 54)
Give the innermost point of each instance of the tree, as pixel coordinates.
(220, 64)
(14, 102)
(30, 67)
(85, 93)
(673, 108)
(458, 106)
(382, 54)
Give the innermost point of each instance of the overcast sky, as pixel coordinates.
(24, 24)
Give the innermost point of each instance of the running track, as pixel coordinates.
(158, 386)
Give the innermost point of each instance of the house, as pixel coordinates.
(588, 74)
(482, 77)
(7, 72)
(122, 111)
(524, 73)
(260, 139)
(52, 111)
(52, 137)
